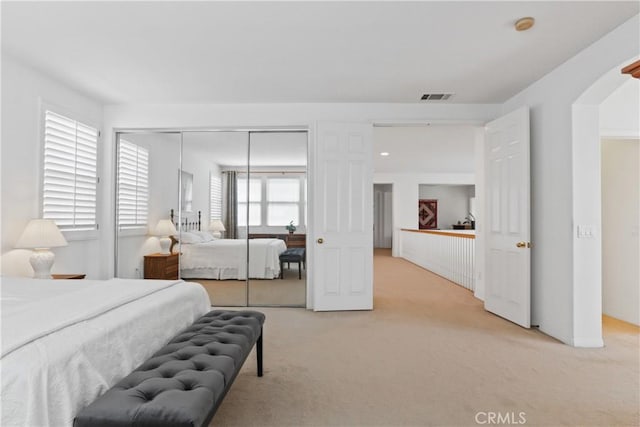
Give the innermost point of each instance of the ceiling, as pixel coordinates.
(420, 149)
(263, 52)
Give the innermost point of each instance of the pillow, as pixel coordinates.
(205, 236)
(189, 237)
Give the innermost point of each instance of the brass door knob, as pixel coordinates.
(521, 244)
(320, 240)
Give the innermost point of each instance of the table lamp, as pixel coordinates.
(216, 226)
(41, 235)
(165, 228)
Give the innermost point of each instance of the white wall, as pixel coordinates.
(565, 191)
(620, 226)
(23, 90)
(453, 202)
(620, 112)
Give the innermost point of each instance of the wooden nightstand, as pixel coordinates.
(161, 266)
(68, 276)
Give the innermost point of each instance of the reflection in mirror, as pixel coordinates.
(277, 210)
(146, 191)
(216, 254)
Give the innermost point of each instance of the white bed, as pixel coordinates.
(65, 342)
(225, 259)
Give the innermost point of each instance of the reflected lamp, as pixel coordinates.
(216, 227)
(164, 229)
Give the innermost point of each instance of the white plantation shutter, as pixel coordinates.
(133, 185)
(215, 191)
(70, 173)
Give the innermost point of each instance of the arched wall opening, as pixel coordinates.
(587, 207)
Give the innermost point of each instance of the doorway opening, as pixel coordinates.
(620, 178)
(382, 216)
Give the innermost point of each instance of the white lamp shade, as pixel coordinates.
(216, 225)
(41, 234)
(165, 228)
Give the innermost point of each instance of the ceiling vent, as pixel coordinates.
(436, 96)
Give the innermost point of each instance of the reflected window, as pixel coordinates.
(255, 201)
(283, 199)
(133, 185)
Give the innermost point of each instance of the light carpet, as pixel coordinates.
(289, 291)
(429, 355)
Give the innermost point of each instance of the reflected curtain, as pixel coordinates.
(231, 209)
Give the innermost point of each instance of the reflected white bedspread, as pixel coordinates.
(68, 341)
(226, 259)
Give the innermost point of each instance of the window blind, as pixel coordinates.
(255, 201)
(283, 195)
(215, 191)
(69, 194)
(133, 185)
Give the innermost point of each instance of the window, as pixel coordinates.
(133, 185)
(69, 191)
(255, 201)
(215, 192)
(283, 197)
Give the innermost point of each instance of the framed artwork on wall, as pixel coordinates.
(427, 214)
(186, 183)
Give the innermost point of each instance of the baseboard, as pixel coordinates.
(588, 342)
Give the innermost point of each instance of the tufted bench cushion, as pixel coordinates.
(185, 381)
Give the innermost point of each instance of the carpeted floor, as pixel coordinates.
(429, 355)
(289, 291)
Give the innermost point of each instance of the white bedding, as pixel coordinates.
(65, 342)
(225, 259)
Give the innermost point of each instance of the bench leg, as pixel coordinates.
(299, 270)
(259, 353)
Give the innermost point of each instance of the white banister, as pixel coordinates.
(449, 254)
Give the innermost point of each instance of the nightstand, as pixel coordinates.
(67, 276)
(161, 266)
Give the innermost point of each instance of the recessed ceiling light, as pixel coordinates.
(523, 24)
(384, 153)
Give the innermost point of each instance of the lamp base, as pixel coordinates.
(216, 234)
(165, 244)
(41, 260)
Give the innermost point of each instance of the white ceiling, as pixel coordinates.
(224, 52)
(419, 149)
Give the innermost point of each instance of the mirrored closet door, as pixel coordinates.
(215, 255)
(147, 189)
(277, 227)
(226, 209)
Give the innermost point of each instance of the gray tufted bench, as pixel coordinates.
(184, 382)
(292, 255)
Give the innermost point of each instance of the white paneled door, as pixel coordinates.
(343, 217)
(508, 257)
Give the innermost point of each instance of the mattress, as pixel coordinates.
(65, 342)
(225, 259)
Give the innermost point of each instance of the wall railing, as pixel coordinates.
(449, 254)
